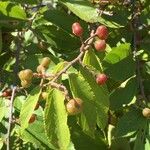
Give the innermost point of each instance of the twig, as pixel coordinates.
(18, 42)
(135, 20)
(68, 66)
(83, 48)
(61, 88)
(10, 117)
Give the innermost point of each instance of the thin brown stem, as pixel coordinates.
(10, 118)
(135, 22)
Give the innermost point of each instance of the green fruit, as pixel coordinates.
(28, 74)
(25, 83)
(45, 62)
(40, 69)
(74, 106)
(21, 75)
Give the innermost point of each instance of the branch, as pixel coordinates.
(18, 42)
(10, 118)
(83, 48)
(135, 22)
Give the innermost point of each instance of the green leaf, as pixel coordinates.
(28, 107)
(139, 142)
(56, 120)
(122, 70)
(10, 10)
(0, 40)
(2, 109)
(91, 59)
(56, 17)
(87, 12)
(81, 89)
(130, 123)
(118, 53)
(123, 95)
(59, 67)
(101, 97)
(57, 38)
(82, 141)
(35, 133)
(119, 64)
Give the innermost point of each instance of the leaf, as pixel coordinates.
(0, 40)
(130, 123)
(118, 53)
(122, 70)
(10, 10)
(56, 120)
(87, 12)
(57, 38)
(82, 141)
(80, 89)
(2, 109)
(54, 17)
(123, 95)
(101, 97)
(139, 142)
(91, 59)
(35, 133)
(59, 67)
(28, 107)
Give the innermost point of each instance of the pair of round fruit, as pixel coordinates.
(43, 65)
(101, 32)
(26, 77)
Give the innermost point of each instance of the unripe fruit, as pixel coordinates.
(74, 106)
(101, 79)
(25, 74)
(40, 69)
(102, 32)
(44, 95)
(77, 29)
(21, 75)
(25, 83)
(100, 45)
(146, 112)
(28, 74)
(45, 62)
(32, 118)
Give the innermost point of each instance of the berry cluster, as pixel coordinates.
(73, 106)
(99, 44)
(27, 74)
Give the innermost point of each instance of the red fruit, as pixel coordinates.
(77, 29)
(32, 119)
(100, 45)
(7, 93)
(102, 32)
(101, 79)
